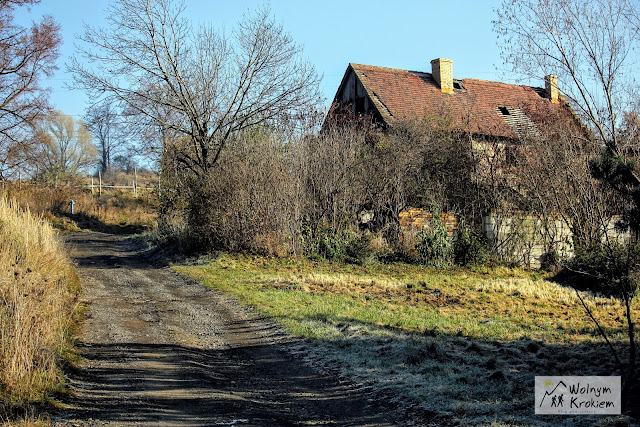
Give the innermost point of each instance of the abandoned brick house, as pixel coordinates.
(484, 110)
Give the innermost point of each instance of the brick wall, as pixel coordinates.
(415, 219)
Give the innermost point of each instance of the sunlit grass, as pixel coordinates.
(409, 298)
(462, 345)
(111, 211)
(38, 285)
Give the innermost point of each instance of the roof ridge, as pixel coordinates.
(502, 83)
(377, 66)
(353, 64)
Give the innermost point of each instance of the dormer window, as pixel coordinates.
(504, 111)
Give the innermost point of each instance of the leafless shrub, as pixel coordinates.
(251, 202)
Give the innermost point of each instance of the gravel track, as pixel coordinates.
(160, 349)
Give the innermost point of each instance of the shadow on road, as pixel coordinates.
(162, 350)
(178, 385)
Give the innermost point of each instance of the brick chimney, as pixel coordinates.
(551, 87)
(442, 72)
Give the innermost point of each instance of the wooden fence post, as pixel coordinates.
(100, 183)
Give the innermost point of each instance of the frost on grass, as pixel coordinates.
(461, 347)
(463, 381)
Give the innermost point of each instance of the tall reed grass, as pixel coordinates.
(38, 289)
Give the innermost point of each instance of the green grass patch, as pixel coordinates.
(458, 345)
(505, 305)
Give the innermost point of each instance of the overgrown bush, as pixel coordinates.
(469, 248)
(433, 244)
(267, 181)
(173, 236)
(550, 260)
(611, 269)
(249, 202)
(344, 246)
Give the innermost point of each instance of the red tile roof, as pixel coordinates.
(401, 94)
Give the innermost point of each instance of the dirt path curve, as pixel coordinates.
(161, 350)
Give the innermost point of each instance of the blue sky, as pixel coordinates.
(398, 34)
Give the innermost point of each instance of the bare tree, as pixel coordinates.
(106, 125)
(552, 171)
(26, 55)
(591, 46)
(65, 148)
(588, 44)
(201, 84)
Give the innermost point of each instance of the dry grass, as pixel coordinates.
(113, 211)
(38, 288)
(538, 290)
(336, 283)
(351, 284)
(144, 178)
(28, 421)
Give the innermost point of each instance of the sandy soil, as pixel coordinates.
(159, 349)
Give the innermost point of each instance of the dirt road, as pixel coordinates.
(162, 350)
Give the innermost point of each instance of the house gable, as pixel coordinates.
(357, 100)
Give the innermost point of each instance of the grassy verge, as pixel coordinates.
(38, 290)
(113, 212)
(459, 345)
